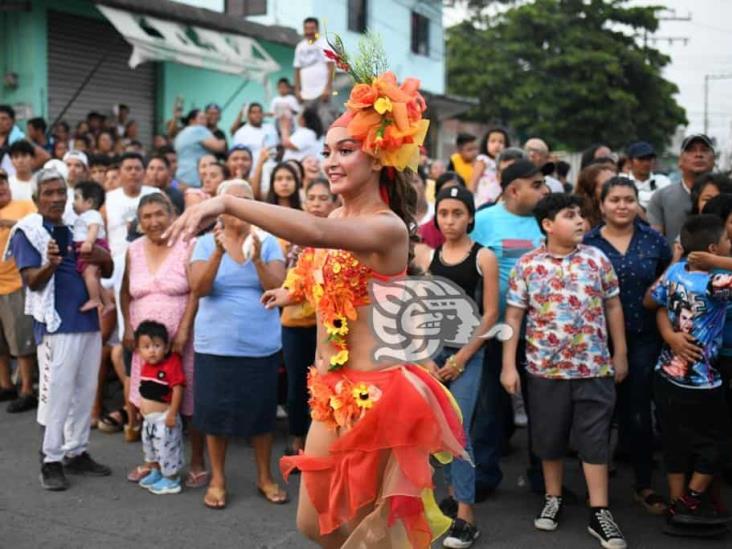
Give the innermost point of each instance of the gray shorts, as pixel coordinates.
(16, 328)
(574, 412)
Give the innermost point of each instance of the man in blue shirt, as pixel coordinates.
(69, 341)
(510, 230)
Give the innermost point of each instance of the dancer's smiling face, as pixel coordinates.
(347, 167)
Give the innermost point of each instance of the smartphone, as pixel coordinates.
(60, 234)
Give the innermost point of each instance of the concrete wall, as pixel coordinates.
(200, 86)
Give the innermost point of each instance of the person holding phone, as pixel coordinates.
(69, 341)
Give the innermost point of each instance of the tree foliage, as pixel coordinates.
(574, 72)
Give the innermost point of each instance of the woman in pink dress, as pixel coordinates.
(155, 287)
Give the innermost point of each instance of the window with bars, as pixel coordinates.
(357, 15)
(244, 8)
(420, 34)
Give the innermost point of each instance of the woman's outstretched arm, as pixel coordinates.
(371, 233)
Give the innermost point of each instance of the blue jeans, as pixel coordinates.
(460, 474)
(298, 348)
(492, 414)
(633, 407)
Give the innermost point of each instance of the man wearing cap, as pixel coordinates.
(669, 207)
(510, 230)
(16, 329)
(69, 341)
(538, 152)
(641, 161)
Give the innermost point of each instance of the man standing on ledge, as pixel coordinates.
(69, 341)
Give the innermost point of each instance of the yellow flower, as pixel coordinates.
(382, 105)
(339, 359)
(336, 268)
(362, 396)
(335, 402)
(339, 327)
(317, 292)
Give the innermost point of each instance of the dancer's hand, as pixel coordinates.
(194, 219)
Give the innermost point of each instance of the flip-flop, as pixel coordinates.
(196, 480)
(276, 497)
(110, 424)
(652, 502)
(219, 495)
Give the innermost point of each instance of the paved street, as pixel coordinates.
(112, 513)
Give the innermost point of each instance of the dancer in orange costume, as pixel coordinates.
(366, 477)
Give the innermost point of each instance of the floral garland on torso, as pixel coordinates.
(335, 283)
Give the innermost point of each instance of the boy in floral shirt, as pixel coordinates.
(570, 296)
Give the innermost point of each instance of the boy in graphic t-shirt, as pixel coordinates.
(161, 388)
(695, 423)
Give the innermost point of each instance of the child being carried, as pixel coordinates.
(89, 232)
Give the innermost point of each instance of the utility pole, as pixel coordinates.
(707, 78)
(671, 16)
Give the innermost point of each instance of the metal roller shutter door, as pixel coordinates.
(75, 45)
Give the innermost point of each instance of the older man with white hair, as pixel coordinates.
(69, 341)
(538, 152)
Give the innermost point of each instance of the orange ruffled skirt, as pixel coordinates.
(391, 422)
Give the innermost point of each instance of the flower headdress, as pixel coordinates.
(384, 116)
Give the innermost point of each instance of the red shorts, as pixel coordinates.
(80, 263)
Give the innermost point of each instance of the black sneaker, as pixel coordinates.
(52, 477)
(461, 535)
(23, 404)
(696, 513)
(83, 464)
(604, 528)
(449, 507)
(8, 394)
(548, 517)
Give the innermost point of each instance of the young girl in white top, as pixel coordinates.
(485, 172)
(88, 232)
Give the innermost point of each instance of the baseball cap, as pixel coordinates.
(693, 138)
(48, 174)
(641, 149)
(59, 166)
(457, 192)
(520, 169)
(78, 155)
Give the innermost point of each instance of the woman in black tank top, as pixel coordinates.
(474, 270)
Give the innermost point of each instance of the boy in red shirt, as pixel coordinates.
(161, 388)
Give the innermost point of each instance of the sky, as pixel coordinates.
(707, 51)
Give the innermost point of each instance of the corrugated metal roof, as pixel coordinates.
(175, 11)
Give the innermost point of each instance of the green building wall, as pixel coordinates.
(24, 45)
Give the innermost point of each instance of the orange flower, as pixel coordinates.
(362, 96)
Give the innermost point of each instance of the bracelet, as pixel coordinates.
(452, 363)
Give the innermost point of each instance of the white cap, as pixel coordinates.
(60, 167)
(79, 155)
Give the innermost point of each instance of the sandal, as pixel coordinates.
(215, 498)
(274, 494)
(133, 434)
(112, 422)
(138, 473)
(652, 502)
(196, 480)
